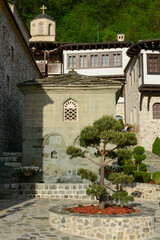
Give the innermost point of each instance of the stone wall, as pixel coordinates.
(149, 127)
(144, 192)
(46, 132)
(135, 226)
(16, 65)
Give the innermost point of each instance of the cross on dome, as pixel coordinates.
(43, 8)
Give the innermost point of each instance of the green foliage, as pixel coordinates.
(139, 155)
(87, 174)
(139, 158)
(97, 191)
(104, 131)
(143, 177)
(140, 17)
(156, 146)
(75, 152)
(122, 196)
(110, 169)
(116, 178)
(143, 167)
(121, 122)
(156, 177)
(139, 150)
(128, 169)
(124, 156)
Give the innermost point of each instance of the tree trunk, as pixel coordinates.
(102, 172)
(101, 204)
(138, 167)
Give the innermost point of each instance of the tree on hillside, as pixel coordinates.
(103, 132)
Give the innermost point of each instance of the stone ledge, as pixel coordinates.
(120, 227)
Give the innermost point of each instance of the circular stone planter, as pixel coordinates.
(136, 226)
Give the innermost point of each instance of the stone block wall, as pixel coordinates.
(148, 192)
(16, 65)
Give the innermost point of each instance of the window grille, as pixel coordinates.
(105, 60)
(116, 60)
(94, 61)
(153, 61)
(83, 61)
(70, 111)
(72, 62)
(156, 111)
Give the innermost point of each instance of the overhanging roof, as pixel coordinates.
(151, 44)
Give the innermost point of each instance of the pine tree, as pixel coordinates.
(102, 133)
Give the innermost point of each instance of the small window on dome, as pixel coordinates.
(70, 111)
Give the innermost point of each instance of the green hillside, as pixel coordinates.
(78, 20)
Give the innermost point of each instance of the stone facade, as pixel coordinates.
(146, 192)
(136, 226)
(47, 134)
(141, 93)
(43, 28)
(16, 65)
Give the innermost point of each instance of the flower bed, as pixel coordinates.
(108, 210)
(109, 227)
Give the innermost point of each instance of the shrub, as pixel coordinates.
(156, 146)
(128, 169)
(110, 169)
(122, 196)
(121, 122)
(143, 167)
(117, 178)
(156, 177)
(139, 155)
(139, 150)
(124, 156)
(143, 177)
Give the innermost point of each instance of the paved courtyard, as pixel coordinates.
(27, 219)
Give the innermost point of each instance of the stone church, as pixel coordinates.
(56, 109)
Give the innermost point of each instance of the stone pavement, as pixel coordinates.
(27, 219)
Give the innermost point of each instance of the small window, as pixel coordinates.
(94, 60)
(12, 54)
(156, 111)
(8, 85)
(83, 61)
(72, 62)
(105, 60)
(119, 117)
(70, 111)
(49, 29)
(134, 75)
(116, 60)
(131, 78)
(153, 63)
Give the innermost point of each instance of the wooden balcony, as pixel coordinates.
(53, 68)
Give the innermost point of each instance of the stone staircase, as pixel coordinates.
(8, 175)
(152, 161)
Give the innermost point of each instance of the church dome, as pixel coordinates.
(44, 16)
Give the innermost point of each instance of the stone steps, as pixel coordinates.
(8, 175)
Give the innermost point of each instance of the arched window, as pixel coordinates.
(119, 117)
(49, 29)
(156, 111)
(33, 29)
(70, 111)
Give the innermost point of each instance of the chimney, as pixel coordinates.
(120, 37)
